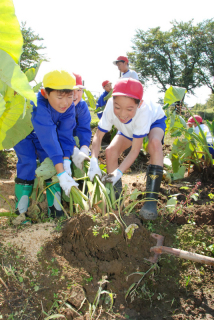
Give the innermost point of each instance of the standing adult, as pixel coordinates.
(122, 63)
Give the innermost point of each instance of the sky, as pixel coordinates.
(85, 37)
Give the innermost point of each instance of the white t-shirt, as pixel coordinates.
(137, 127)
(130, 74)
(206, 132)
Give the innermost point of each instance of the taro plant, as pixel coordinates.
(15, 90)
(188, 147)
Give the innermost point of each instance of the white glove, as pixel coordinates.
(66, 182)
(78, 158)
(85, 150)
(94, 169)
(67, 166)
(112, 177)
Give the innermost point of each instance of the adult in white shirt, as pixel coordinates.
(122, 63)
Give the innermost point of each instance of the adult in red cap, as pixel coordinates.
(107, 86)
(82, 129)
(209, 138)
(135, 119)
(122, 63)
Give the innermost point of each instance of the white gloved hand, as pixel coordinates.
(78, 158)
(85, 150)
(112, 177)
(94, 169)
(66, 182)
(67, 166)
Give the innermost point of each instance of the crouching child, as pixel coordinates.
(135, 119)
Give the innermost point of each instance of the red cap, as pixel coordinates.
(105, 83)
(128, 87)
(198, 118)
(121, 58)
(78, 81)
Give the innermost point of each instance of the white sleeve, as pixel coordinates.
(135, 76)
(106, 122)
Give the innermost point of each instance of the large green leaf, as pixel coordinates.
(174, 94)
(11, 39)
(2, 106)
(91, 100)
(11, 74)
(20, 130)
(13, 111)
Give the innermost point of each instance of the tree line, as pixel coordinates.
(182, 56)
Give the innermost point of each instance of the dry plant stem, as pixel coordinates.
(4, 284)
(11, 211)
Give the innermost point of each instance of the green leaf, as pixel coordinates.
(46, 170)
(2, 106)
(183, 121)
(179, 174)
(91, 100)
(11, 74)
(174, 94)
(171, 203)
(108, 95)
(32, 72)
(11, 39)
(37, 87)
(130, 230)
(135, 194)
(10, 116)
(21, 128)
(90, 186)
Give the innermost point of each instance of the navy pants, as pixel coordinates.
(28, 151)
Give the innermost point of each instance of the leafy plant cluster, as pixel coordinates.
(15, 90)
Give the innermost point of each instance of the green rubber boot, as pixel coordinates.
(54, 209)
(23, 190)
(154, 178)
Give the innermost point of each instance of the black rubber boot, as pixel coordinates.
(118, 187)
(154, 178)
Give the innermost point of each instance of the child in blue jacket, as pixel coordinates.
(107, 86)
(52, 137)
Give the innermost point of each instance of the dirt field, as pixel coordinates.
(77, 268)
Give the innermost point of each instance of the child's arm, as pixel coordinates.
(114, 176)
(96, 144)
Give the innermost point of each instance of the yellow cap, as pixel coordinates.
(59, 80)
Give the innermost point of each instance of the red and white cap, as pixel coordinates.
(128, 87)
(121, 58)
(79, 81)
(192, 120)
(105, 83)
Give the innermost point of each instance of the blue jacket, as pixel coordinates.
(101, 102)
(54, 129)
(83, 120)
